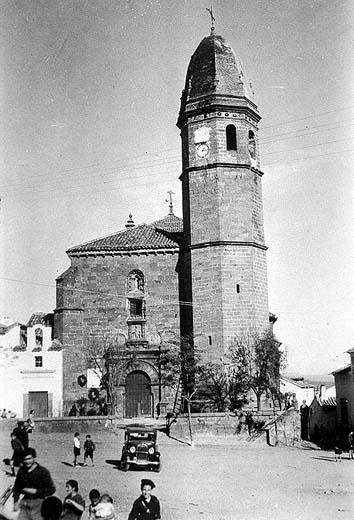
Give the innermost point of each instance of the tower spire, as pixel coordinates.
(170, 207)
(210, 11)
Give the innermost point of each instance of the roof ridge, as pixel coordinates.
(108, 236)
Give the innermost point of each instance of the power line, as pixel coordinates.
(142, 157)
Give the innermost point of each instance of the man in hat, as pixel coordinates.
(147, 506)
(34, 483)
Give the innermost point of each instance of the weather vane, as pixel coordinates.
(210, 11)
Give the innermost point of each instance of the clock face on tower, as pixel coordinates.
(202, 150)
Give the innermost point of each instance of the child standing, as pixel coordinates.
(89, 448)
(74, 504)
(337, 450)
(94, 497)
(104, 508)
(77, 448)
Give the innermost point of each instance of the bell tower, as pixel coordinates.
(223, 265)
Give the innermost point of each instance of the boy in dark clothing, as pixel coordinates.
(17, 456)
(21, 434)
(34, 483)
(147, 506)
(89, 448)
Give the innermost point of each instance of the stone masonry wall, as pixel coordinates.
(92, 302)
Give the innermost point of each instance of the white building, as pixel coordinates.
(303, 391)
(31, 368)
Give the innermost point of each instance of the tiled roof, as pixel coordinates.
(37, 317)
(299, 383)
(162, 234)
(330, 401)
(342, 370)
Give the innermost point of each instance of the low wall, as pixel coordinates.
(286, 431)
(217, 423)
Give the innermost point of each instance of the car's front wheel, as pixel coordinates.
(125, 465)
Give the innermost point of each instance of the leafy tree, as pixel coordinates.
(256, 363)
(215, 385)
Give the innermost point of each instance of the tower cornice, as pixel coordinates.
(221, 165)
(218, 243)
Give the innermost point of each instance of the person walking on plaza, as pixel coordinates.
(147, 506)
(34, 483)
(17, 456)
(74, 504)
(351, 444)
(77, 448)
(304, 421)
(89, 448)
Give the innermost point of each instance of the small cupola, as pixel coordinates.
(130, 222)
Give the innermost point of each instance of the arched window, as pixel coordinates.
(251, 144)
(231, 142)
(135, 281)
(39, 337)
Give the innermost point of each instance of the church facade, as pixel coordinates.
(203, 278)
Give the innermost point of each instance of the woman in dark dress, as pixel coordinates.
(147, 506)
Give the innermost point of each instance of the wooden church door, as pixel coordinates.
(137, 395)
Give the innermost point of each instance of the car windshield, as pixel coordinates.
(147, 436)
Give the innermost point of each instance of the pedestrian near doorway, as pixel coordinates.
(74, 504)
(77, 448)
(89, 448)
(34, 483)
(147, 506)
(338, 449)
(17, 456)
(304, 420)
(22, 434)
(351, 444)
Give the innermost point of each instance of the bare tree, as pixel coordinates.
(107, 358)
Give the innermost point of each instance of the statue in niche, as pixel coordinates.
(135, 281)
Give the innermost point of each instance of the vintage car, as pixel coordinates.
(140, 449)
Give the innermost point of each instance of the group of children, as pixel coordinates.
(89, 448)
(147, 506)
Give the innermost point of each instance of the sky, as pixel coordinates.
(90, 95)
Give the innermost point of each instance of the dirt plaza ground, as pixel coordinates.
(218, 479)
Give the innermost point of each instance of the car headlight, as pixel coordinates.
(132, 449)
(151, 451)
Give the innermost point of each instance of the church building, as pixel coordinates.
(203, 278)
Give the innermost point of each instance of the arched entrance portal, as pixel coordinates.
(137, 394)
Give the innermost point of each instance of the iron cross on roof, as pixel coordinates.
(210, 11)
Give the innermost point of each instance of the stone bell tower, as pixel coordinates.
(223, 269)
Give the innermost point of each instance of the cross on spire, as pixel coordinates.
(210, 11)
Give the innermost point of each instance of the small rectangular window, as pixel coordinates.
(38, 361)
(136, 308)
(238, 288)
(210, 341)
